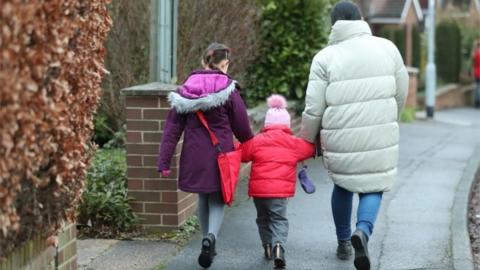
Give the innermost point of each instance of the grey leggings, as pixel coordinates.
(210, 212)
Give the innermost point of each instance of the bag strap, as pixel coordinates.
(202, 119)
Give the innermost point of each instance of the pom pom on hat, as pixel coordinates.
(277, 102)
(277, 113)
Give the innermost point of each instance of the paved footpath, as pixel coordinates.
(417, 227)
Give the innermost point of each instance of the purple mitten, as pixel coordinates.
(305, 181)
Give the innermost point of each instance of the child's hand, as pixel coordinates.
(166, 173)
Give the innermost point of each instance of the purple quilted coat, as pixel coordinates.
(216, 94)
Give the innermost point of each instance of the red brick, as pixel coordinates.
(182, 195)
(150, 161)
(61, 257)
(144, 196)
(142, 125)
(73, 232)
(161, 208)
(155, 114)
(137, 207)
(145, 149)
(159, 229)
(150, 219)
(152, 137)
(163, 184)
(170, 219)
(170, 196)
(73, 264)
(134, 113)
(142, 173)
(134, 160)
(190, 210)
(142, 102)
(164, 103)
(134, 137)
(135, 184)
(181, 218)
(187, 202)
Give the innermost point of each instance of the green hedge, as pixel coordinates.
(448, 48)
(397, 36)
(291, 32)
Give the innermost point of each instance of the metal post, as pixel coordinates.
(163, 35)
(430, 75)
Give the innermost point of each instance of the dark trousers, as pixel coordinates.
(272, 220)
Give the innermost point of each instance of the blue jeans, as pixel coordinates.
(342, 211)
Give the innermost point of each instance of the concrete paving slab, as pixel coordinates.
(134, 255)
(89, 249)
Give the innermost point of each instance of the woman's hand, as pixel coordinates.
(166, 173)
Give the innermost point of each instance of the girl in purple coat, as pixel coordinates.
(212, 91)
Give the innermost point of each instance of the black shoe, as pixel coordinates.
(344, 250)
(360, 244)
(208, 251)
(268, 251)
(279, 256)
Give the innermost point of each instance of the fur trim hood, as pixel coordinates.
(203, 90)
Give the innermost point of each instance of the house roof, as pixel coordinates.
(389, 11)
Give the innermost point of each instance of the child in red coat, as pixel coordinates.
(274, 153)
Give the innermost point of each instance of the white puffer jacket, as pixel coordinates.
(356, 91)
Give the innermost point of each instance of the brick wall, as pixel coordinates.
(157, 201)
(36, 254)
(451, 96)
(67, 248)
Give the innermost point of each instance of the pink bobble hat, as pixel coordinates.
(277, 113)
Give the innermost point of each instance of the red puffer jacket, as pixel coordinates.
(274, 153)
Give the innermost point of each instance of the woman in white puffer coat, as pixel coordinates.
(356, 91)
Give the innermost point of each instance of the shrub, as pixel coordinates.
(105, 203)
(417, 47)
(396, 35)
(231, 22)
(127, 60)
(102, 132)
(448, 40)
(407, 115)
(291, 32)
(50, 74)
(469, 35)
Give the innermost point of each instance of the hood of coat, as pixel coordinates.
(283, 128)
(202, 90)
(343, 30)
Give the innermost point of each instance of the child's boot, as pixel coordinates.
(279, 256)
(208, 251)
(268, 251)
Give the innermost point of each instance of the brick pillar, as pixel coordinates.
(412, 88)
(157, 201)
(408, 44)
